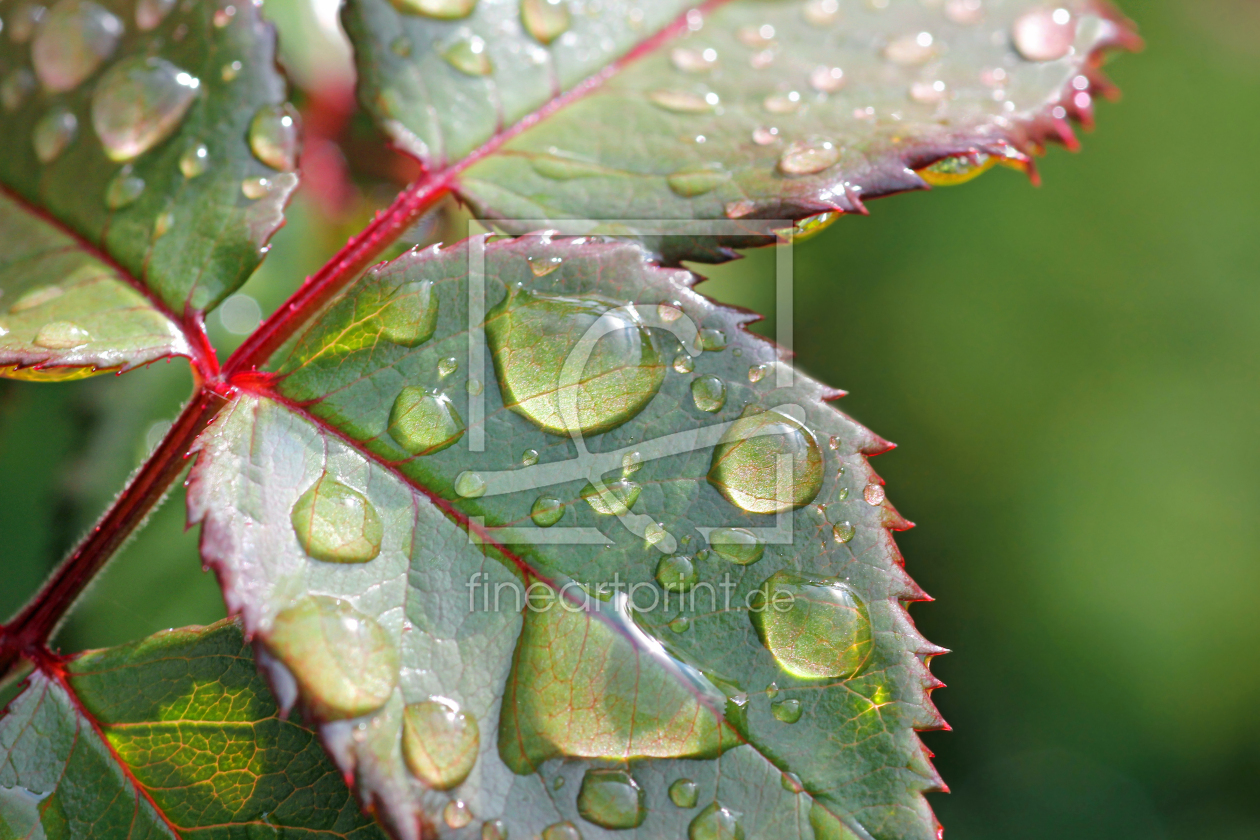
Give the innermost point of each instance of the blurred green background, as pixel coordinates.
(1072, 375)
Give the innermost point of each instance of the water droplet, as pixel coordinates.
(123, 189)
(456, 814)
(716, 822)
(739, 209)
(787, 711)
(15, 88)
(815, 627)
(37, 296)
(547, 511)
(468, 55)
(684, 363)
(337, 524)
(822, 12)
(676, 573)
(447, 366)
(738, 545)
(692, 181)
(792, 784)
(842, 493)
(469, 484)
(273, 136)
(494, 830)
(745, 466)
(401, 46)
(1044, 33)
(712, 340)
(754, 36)
(195, 160)
(827, 79)
(542, 266)
(424, 423)
(809, 227)
(682, 102)
(442, 9)
(546, 20)
(561, 831)
(928, 92)
(708, 393)
(693, 60)
(53, 133)
(440, 743)
(223, 16)
(255, 188)
(808, 157)
(965, 12)
(343, 661)
(536, 339)
(631, 462)
(844, 531)
(151, 13)
(163, 223)
(229, 72)
(618, 498)
(61, 335)
(654, 532)
(915, 48)
(473, 386)
(874, 494)
(529, 457)
(763, 136)
(611, 799)
(409, 318)
(757, 372)
(138, 103)
(782, 103)
(683, 793)
(75, 38)
(558, 783)
(681, 624)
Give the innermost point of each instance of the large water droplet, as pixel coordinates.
(676, 573)
(738, 545)
(1044, 33)
(612, 799)
(708, 393)
(683, 102)
(123, 189)
(815, 627)
(843, 531)
(957, 169)
(440, 742)
(692, 181)
(684, 363)
(409, 318)
(61, 335)
(195, 160)
(447, 366)
(716, 822)
(547, 511)
(874, 494)
(469, 55)
(787, 711)
(757, 372)
(536, 339)
(529, 457)
(343, 661)
(337, 524)
(456, 814)
(423, 423)
(53, 133)
(746, 464)
(631, 463)
(76, 37)
(16, 86)
(712, 340)
(151, 13)
(561, 831)
(683, 793)
(546, 20)
(273, 136)
(470, 484)
(442, 9)
(138, 103)
(808, 157)
(616, 500)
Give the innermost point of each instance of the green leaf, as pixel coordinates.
(432, 450)
(129, 184)
(172, 736)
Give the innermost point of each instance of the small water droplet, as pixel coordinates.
(914, 48)
(676, 573)
(739, 209)
(473, 386)
(441, 9)
(764, 136)
(255, 188)
(75, 38)
(343, 661)
(680, 625)
(844, 531)
(16, 86)
(786, 711)
(808, 157)
(195, 160)
(822, 12)
(684, 363)
(792, 784)
(456, 814)
(542, 266)
(138, 103)
(469, 55)
(440, 743)
(965, 12)
(1044, 33)
(631, 462)
(546, 20)
(401, 46)
(469, 484)
(654, 533)
(61, 335)
(683, 793)
(745, 465)
(494, 830)
(692, 181)
(757, 372)
(163, 223)
(738, 545)
(827, 79)
(682, 102)
(712, 340)
(229, 72)
(151, 13)
(123, 189)
(842, 493)
(53, 133)
(409, 317)
(611, 799)
(755, 36)
(716, 822)
(693, 59)
(223, 16)
(558, 783)
(529, 457)
(337, 524)
(874, 494)
(547, 511)
(814, 627)
(669, 312)
(561, 831)
(809, 227)
(273, 136)
(708, 393)
(617, 500)
(446, 366)
(423, 423)
(782, 103)
(928, 92)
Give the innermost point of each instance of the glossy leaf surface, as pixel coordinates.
(385, 564)
(173, 736)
